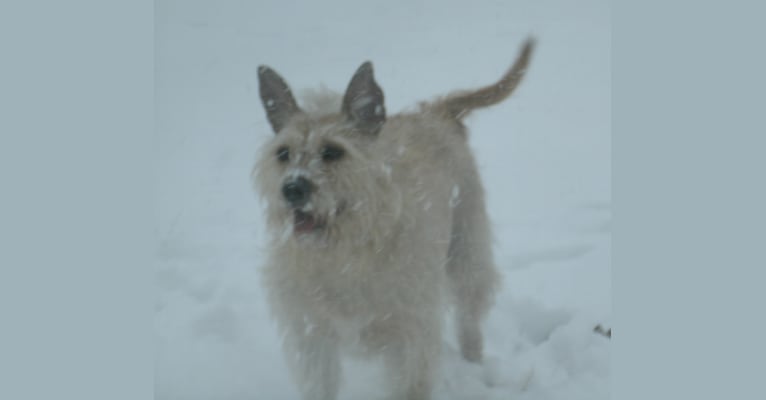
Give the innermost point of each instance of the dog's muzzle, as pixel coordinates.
(297, 192)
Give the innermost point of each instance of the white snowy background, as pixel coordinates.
(545, 156)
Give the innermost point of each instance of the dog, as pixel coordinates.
(378, 228)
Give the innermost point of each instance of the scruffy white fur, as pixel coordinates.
(401, 232)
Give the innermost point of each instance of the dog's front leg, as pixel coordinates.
(312, 355)
(412, 360)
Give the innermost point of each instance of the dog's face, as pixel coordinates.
(318, 175)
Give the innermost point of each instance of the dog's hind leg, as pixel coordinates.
(470, 268)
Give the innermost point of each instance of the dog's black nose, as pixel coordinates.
(297, 192)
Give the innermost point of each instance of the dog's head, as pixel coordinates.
(318, 174)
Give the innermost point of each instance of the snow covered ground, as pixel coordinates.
(545, 156)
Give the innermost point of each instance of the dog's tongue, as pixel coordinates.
(304, 222)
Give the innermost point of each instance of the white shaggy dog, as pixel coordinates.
(378, 226)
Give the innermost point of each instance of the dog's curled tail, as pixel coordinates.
(460, 104)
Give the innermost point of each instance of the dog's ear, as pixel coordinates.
(363, 101)
(276, 97)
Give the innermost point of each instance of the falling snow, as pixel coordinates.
(454, 196)
(545, 165)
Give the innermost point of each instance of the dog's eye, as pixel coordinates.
(332, 153)
(283, 154)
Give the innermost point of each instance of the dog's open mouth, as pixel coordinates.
(305, 222)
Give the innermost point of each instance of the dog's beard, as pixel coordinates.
(306, 222)
(310, 225)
